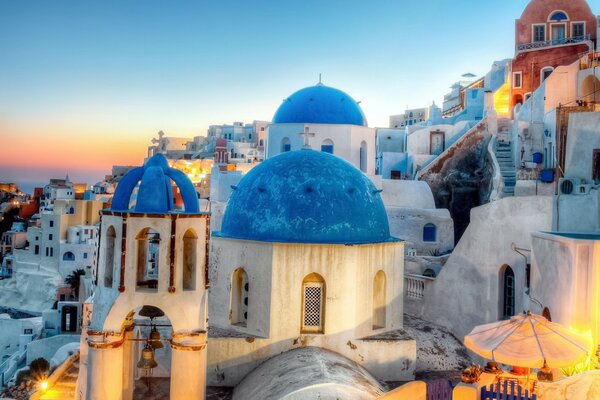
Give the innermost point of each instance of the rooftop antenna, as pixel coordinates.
(320, 83)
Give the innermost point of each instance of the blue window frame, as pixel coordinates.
(559, 16)
(429, 233)
(327, 148)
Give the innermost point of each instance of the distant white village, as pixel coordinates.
(452, 255)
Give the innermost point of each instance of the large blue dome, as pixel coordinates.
(320, 104)
(306, 196)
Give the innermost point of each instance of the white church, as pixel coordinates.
(303, 274)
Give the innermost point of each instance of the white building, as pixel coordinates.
(328, 120)
(57, 189)
(64, 240)
(410, 117)
(305, 258)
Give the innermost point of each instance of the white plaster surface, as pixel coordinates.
(308, 373)
(469, 283)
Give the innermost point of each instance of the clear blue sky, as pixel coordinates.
(116, 72)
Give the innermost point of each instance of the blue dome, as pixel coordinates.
(155, 194)
(320, 104)
(306, 196)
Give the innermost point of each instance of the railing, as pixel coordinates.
(552, 42)
(414, 286)
(506, 392)
(10, 366)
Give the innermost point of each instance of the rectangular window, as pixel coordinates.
(596, 165)
(287, 147)
(51, 224)
(85, 255)
(50, 237)
(312, 316)
(578, 29)
(327, 148)
(51, 251)
(539, 33)
(36, 249)
(517, 80)
(47, 251)
(27, 331)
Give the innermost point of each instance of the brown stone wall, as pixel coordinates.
(536, 60)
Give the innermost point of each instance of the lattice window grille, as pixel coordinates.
(313, 307)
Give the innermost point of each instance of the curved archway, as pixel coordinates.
(558, 15)
(68, 256)
(327, 146)
(285, 145)
(190, 240)
(363, 156)
(507, 293)
(313, 304)
(546, 314)
(545, 73)
(109, 257)
(379, 300)
(590, 89)
(240, 293)
(148, 259)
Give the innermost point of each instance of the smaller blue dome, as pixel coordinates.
(306, 196)
(155, 194)
(320, 104)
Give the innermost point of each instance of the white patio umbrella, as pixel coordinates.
(528, 340)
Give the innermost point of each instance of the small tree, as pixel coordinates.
(73, 280)
(38, 369)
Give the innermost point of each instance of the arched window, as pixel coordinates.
(379, 300)
(285, 145)
(363, 156)
(190, 240)
(546, 314)
(558, 16)
(148, 245)
(240, 290)
(109, 256)
(508, 291)
(327, 146)
(429, 233)
(545, 73)
(68, 256)
(590, 90)
(313, 304)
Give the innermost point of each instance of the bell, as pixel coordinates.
(151, 312)
(147, 360)
(154, 340)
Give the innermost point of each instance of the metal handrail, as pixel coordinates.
(552, 42)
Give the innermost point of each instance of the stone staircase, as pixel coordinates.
(65, 387)
(507, 168)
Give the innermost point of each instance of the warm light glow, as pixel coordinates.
(502, 100)
(44, 385)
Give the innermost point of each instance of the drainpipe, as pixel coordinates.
(519, 250)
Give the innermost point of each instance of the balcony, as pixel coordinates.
(552, 43)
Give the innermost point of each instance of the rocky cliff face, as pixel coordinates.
(460, 177)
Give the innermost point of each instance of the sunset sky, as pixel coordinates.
(85, 85)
